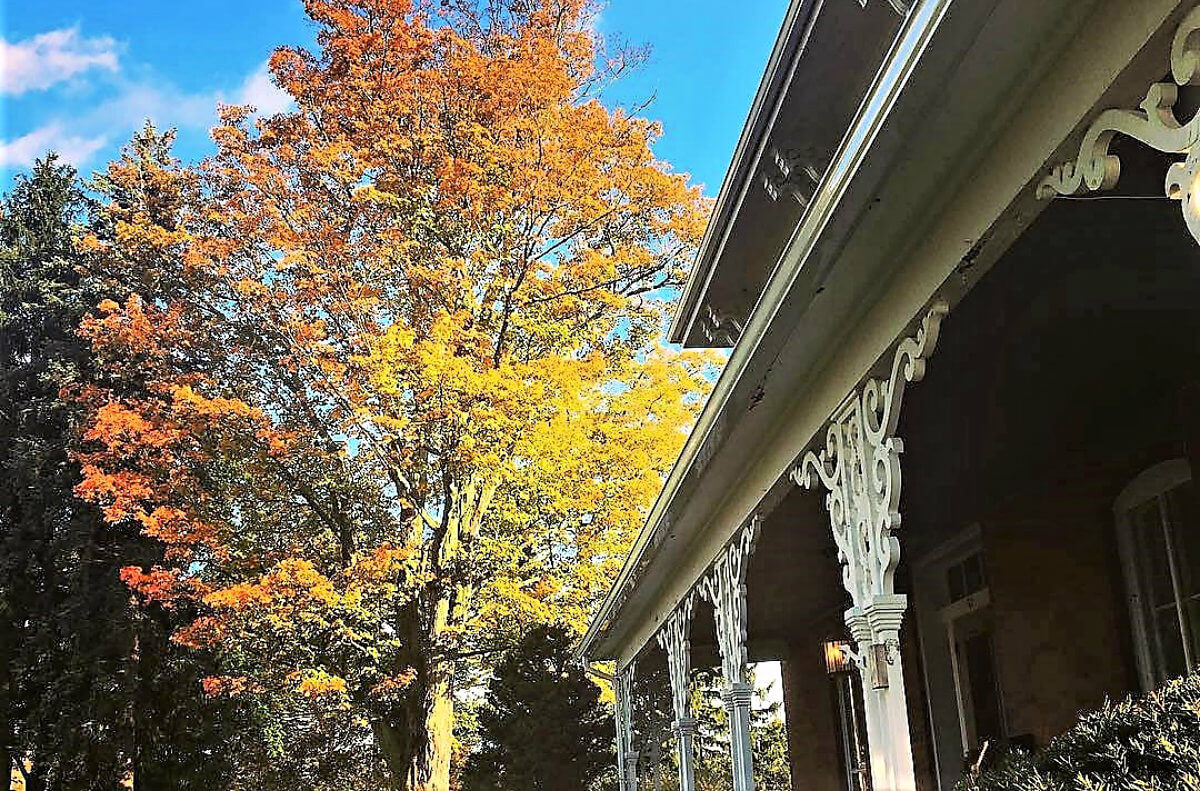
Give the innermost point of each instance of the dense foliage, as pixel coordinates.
(768, 736)
(384, 382)
(1151, 742)
(92, 691)
(542, 726)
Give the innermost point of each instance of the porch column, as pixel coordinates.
(725, 588)
(627, 757)
(889, 741)
(859, 469)
(673, 638)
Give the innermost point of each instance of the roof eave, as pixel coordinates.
(742, 166)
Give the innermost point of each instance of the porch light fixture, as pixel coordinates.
(838, 657)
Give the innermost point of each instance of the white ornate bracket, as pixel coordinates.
(719, 328)
(674, 639)
(791, 175)
(860, 470)
(725, 588)
(1155, 125)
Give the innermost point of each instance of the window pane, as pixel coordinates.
(1181, 511)
(973, 579)
(1180, 504)
(1154, 570)
(1171, 661)
(955, 582)
(981, 675)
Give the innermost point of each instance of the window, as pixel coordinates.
(957, 633)
(1156, 521)
(966, 577)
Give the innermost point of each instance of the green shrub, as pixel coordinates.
(1137, 744)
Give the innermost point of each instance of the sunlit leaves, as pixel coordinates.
(400, 394)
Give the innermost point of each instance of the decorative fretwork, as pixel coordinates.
(860, 470)
(1155, 125)
(790, 175)
(674, 639)
(725, 588)
(721, 329)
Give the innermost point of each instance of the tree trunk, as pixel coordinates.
(416, 740)
(429, 766)
(7, 747)
(417, 744)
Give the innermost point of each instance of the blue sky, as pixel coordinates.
(80, 75)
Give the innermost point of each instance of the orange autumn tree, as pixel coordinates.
(393, 389)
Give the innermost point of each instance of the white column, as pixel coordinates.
(737, 703)
(877, 633)
(859, 469)
(626, 755)
(725, 588)
(673, 638)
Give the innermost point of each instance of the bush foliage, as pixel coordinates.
(1151, 742)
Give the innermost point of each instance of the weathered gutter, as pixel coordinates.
(902, 59)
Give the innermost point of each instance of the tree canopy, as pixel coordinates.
(387, 385)
(92, 691)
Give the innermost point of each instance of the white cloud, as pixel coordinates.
(22, 151)
(164, 104)
(88, 129)
(47, 59)
(266, 96)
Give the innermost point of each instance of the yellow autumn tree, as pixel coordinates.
(389, 387)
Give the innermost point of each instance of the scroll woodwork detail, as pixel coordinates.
(1154, 124)
(859, 468)
(674, 639)
(725, 588)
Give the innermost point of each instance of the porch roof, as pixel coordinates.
(820, 67)
(859, 257)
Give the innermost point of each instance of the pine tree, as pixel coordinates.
(542, 727)
(768, 736)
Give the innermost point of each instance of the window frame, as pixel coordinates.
(1151, 484)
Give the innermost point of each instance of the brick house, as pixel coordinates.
(957, 243)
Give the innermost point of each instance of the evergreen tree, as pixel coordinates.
(768, 736)
(542, 727)
(92, 691)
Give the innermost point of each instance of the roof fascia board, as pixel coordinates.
(902, 59)
(749, 152)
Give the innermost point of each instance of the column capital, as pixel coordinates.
(738, 694)
(885, 614)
